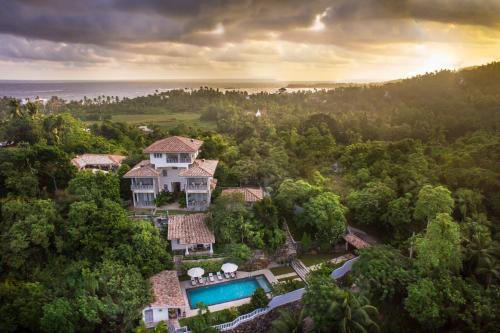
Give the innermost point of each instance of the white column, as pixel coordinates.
(133, 197)
(187, 250)
(211, 249)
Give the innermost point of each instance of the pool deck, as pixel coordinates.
(185, 285)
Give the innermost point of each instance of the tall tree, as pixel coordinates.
(439, 248)
(431, 201)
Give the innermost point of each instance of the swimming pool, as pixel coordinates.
(227, 291)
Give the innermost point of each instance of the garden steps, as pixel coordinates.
(301, 269)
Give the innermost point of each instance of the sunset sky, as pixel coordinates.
(336, 40)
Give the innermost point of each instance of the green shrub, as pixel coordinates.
(305, 242)
(210, 266)
(283, 287)
(259, 299)
(182, 199)
(237, 253)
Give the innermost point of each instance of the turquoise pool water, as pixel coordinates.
(227, 291)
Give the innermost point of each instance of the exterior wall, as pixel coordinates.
(191, 247)
(172, 176)
(161, 162)
(159, 314)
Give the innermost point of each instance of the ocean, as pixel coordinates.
(76, 90)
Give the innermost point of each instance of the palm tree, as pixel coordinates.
(489, 265)
(32, 109)
(288, 322)
(477, 248)
(352, 313)
(15, 111)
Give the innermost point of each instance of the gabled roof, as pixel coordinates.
(189, 229)
(167, 290)
(174, 144)
(142, 169)
(250, 194)
(200, 168)
(81, 161)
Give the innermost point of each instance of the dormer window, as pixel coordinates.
(157, 155)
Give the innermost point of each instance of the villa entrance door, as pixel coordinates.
(176, 186)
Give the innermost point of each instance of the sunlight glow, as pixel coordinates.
(318, 25)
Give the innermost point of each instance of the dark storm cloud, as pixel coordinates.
(22, 49)
(474, 12)
(108, 22)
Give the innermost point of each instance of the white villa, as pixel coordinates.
(173, 166)
(190, 233)
(169, 301)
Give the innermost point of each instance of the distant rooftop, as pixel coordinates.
(189, 229)
(250, 194)
(175, 144)
(356, 241)
(105, 160)
(167, 290)
(200, 168)
(142, 169)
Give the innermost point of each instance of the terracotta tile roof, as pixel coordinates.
(200, 168)
(356, 241)
(81, 161)
(189, 229)
(142, 169)
(250, 194)
(167, 290)
(175, 144)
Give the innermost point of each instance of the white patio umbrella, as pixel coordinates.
(229, 267)
(196, 272)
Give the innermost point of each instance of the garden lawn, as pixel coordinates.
(281, 270)
(166, 120)
(314, 259)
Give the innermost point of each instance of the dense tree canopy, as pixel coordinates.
(414, 162)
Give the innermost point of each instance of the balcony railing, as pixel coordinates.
(141, 186)
(199, 187)
(178, 160)
(197, 205)
(145, 204)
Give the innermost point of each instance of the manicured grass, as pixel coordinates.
(165, 119)
(313, 259)
(281, 270)
(290, 279)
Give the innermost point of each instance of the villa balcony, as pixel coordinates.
(197, 205)
(148, 187)
(178, 160)
(201, 187)
(145, 204)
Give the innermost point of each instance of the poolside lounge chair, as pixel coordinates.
(201, 280)
(219, 276)
(193, 281)
(211, 277)
(226, 275)
(233, 275)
